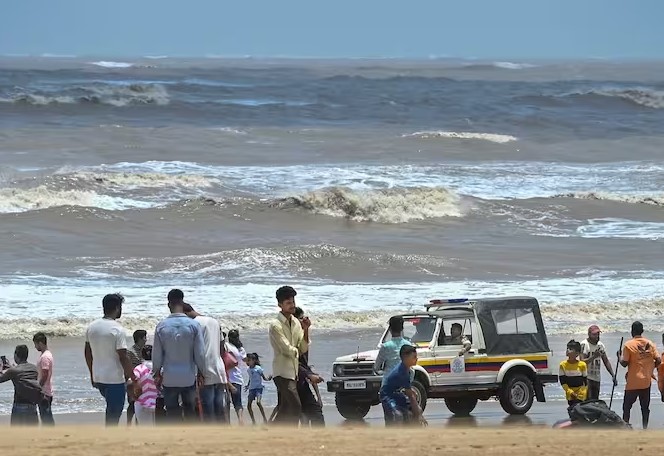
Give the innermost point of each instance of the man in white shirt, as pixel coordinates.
(215, 389)
(107, 360)
(592, 350)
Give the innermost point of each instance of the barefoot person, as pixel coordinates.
(45, 368)
(27, 391)
(592, 351)
(107, 359)
(396, 393)
(214, 392)
(255, 386)
(640, 357)
(289, 339)
(178, 353)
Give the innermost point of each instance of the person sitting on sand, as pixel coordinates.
(27, 391)
(255, 385)
(145, 403)
(396, 393)
(640, 357)
(573, 375)
(388, 355)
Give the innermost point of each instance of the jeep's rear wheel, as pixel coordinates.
(461, 406)
(420, 393)
(350, 408)
(517, 394)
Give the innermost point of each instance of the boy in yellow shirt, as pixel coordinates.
(573, 375)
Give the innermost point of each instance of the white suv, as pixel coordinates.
(509, 358)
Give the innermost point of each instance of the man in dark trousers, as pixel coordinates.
(312, 408)
(27, 391)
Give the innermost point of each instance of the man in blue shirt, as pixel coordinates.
(388, 355)
(396, 394)
(178, 355)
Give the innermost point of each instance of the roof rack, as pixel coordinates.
(444, 302)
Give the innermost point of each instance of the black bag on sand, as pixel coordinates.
(595, 413)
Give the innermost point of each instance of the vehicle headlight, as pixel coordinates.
(338, 370)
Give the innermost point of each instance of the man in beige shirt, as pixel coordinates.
(289, 339)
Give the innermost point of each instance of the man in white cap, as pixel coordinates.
(592, 350)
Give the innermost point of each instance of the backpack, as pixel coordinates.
(595, 413)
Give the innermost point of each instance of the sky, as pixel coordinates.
(546, 29)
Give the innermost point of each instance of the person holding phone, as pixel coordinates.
(27, 391)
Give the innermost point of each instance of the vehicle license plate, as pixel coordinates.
(355, 384)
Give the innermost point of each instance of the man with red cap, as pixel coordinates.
(592, 350)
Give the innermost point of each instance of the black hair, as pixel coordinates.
(140, 334)
(175, 295)
(299, 312)
(458, 325)
(396, 324)
(407, 350)
(255, 358)
(146, 352)
(637, 328)
(285, 293)
(574, 345)
(40, 337)
(112, 302)
(234, 338)
(21, 352)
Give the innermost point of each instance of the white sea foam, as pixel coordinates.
(513, 66)
(111, 64)
(651, 199)
(118, 95)
(621, 229)
(491, 137)
(129, 181)
(568, 304)
(22, 200)
(394, 205)
(642, 96)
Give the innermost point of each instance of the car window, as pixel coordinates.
(445, 335)
(419, 330)
(514, 321)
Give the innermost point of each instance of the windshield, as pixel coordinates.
(419, 330)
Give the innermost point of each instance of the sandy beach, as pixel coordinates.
(74, 441)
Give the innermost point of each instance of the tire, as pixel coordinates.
(517, 394)
(350, 408)
(420, 392)
(461, 406)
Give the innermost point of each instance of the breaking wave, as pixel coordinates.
(14, 200)
(129, 181)
(642, 96)
(110, 64)
(565, 318)
(492, 137)
(112, 95)
(394, 205)
(653, 200)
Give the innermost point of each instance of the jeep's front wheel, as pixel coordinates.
(350, 408)
(461, 406)
(516, 395)
(420, 393)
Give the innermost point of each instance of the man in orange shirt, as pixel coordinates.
(640, 357)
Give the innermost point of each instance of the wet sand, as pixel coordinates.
(73, 441)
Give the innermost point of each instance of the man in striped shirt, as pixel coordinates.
(573, 375)
(145, 403)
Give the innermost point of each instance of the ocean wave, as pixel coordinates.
(129, 181)
(565, 318)
(641, 96)
(106, 94)
(13, 200)
(498, 65)
(394, 205)
(653, 200)
(492, 137)
(111, 64)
